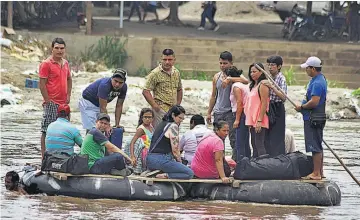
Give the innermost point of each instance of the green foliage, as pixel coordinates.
(356, 92)
(109, 50)
(194, 74)
(290, 76)
(142, 71)
(335, 84)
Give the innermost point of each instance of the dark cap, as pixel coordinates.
(64, 108)
(102, 116)
(275, 59)
(121, 73)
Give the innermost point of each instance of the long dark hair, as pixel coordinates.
(262, 76)
(143, 111)
(176, 109)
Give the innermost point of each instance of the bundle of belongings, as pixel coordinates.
(283, 167)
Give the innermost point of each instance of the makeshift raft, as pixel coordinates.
(284, 192)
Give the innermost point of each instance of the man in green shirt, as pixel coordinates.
(94, 145)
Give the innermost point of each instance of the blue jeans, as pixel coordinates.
(105, 164)
(208, 13)
(167, 164)
(242, 139)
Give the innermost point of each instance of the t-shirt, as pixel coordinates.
(102, 88)
(244, 92)
(316, 87)
(56, 76)
(94, 146)
(189, 141)
(61, 136)
(203, 163)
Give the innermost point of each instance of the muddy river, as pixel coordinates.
(20, 135)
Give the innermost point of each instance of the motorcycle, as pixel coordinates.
(289, 21)
(307, 28)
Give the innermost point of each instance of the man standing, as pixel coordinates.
(354, 19)
(275, 135)
(209, 13)
(55, 85)
(61, 135)
(220, 97)
(165, 83)
(97, 95)
(94, 146)
(189, 141)
(313, 110)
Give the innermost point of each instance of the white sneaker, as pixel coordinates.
(200, 28)
(216, 28)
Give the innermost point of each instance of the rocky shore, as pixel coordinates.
(340, 103)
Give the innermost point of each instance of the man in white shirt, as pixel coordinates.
(189, 141)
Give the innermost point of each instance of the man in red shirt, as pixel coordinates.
(55, 85)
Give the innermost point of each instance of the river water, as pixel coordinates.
(20, 137)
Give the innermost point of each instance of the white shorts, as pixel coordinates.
(89, 113)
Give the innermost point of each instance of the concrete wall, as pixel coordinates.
(139, 49)
(341, 61)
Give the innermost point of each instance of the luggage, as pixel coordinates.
(65, 163)
(283, 167)
(117, 137)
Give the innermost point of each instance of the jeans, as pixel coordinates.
(258, 142)
(230, 119)
(105, 164)
(275, 135)
(242, 139)
(208, 13)
(167, 164)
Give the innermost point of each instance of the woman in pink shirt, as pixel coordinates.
(255, 110)
(238, 96)
(208, 159)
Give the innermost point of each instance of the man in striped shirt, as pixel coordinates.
(275, 135)
(61, 135)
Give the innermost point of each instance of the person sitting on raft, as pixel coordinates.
(61, 135)
(164, 153)
(208, 161)
(94, 145)
(139, 145)
(189, 141)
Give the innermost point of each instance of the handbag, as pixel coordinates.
(317, 119)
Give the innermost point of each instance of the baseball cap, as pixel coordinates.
(65, 108)
(311, 61)
(120, 73)
(102, 116)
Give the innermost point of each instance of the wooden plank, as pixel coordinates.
(88, 17)
(10, 14)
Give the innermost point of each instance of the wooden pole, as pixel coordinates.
(88, 17)
(10, 14)
(287, 97)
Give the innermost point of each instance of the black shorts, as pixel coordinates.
(49, 115)
(313, 138)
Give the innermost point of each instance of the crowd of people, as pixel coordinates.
(250, 110)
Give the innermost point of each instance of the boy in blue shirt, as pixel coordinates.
(313, 111)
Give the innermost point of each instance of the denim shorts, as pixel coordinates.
(313, 138)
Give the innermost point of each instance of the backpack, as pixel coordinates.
(65, 163)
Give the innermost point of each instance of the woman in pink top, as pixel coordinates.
(238, 96)
(255, 110)
(208, 159)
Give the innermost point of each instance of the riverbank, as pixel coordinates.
(340, 103)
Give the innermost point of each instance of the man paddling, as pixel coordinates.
(313, 111)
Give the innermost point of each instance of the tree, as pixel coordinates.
(173, 17)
